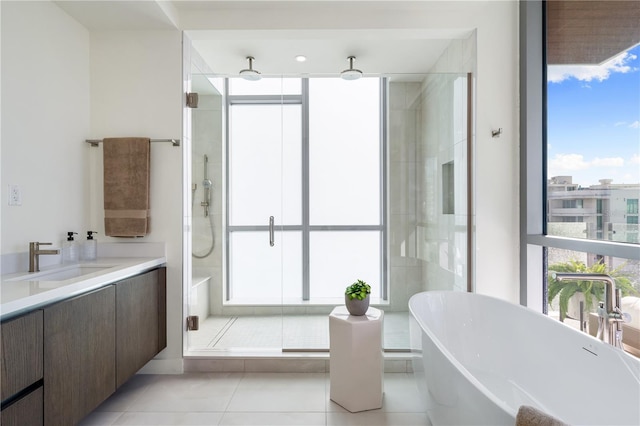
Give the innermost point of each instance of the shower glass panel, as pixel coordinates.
(203, 262)
(264, 275)
(339, 257)
(345, 148)
(371, 178)
(264, 164)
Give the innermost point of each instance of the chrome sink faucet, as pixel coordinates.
(35, 252)
(610, 316)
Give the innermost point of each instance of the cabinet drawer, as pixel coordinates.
(26, 411)
(22, 358)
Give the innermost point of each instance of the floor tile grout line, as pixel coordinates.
(235, 390)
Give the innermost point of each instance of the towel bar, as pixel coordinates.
(96, 142)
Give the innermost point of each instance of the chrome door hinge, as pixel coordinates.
(193, 322)
(192, 100)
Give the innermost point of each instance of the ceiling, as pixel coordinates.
(387, 37)
(590, 32)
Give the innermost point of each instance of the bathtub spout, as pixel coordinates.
(610, 317)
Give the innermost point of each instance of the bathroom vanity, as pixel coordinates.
(64, 356)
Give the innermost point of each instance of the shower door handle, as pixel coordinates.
(272, 240)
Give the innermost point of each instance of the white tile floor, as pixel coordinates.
(259, 399)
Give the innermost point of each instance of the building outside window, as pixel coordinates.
(588, 151)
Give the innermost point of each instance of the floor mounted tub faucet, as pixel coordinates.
(610, 316)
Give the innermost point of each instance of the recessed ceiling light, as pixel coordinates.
(301, 58)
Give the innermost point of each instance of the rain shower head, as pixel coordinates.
(249, 73)
(351, 73)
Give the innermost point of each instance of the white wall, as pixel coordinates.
(136, 90)
(45, 120)
(497, 171)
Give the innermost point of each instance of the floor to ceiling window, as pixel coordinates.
(589, 154)
(305, 188)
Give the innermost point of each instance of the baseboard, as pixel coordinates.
(163, 366)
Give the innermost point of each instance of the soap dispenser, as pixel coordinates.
(70, 249)
(90, 248)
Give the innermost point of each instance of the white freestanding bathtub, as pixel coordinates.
(480, 358)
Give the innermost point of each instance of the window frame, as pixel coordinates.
(305, 227)
(533, 160)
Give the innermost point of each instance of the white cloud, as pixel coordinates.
(619, 123)
(635, 159)
(561, 163)
(559, 73)
(608, 162)
(635, 125)
(568, 162)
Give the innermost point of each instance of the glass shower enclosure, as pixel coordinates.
(300, 204)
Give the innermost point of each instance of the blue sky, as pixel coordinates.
(594, 120)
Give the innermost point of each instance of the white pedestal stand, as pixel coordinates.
(356, 363)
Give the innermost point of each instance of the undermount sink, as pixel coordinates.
(62, 273)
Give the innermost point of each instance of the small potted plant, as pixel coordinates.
(356, 298)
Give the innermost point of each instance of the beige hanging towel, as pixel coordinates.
(126, 186)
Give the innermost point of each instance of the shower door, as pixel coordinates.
(264, 205)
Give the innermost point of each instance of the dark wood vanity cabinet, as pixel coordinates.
(95, 342)
(21, 370)
(79, 361)
(140, 323)
(60, 362)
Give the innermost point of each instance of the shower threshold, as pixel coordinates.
(306, 333)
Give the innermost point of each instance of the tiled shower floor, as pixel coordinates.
(288, 332)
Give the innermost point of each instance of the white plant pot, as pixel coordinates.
(573, 307)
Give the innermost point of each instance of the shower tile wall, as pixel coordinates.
(442, 237)
(404, 129)
(207, 139)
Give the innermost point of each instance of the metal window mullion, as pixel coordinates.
(346, 227)
(253, 228)
(227, 247)
(603, 247)
(306, 272)
(383, 188)
(265, 100)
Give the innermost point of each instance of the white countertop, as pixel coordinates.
(22, 292)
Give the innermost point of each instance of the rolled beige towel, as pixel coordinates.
(529, 416)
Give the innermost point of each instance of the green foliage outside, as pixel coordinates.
(358, 290)
(593, 290)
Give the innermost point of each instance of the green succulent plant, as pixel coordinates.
(593, 290)
(358, 290)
